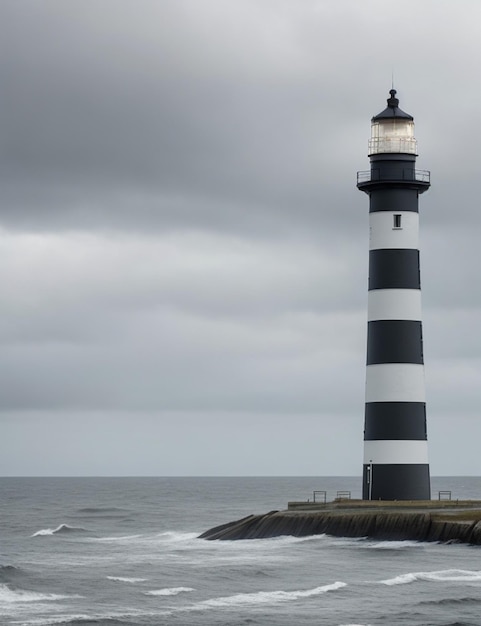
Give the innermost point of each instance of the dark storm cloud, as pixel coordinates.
(227, 115)
(92, 102)
(112, 116)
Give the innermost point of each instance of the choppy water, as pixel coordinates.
(116, 551)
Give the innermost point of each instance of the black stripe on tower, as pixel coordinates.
(394, 341)
(395, 421)
(397, 482)
(394, 269)
(394, 200)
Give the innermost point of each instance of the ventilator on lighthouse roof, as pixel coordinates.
(392, 130)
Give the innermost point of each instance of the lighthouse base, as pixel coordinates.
(396, 482)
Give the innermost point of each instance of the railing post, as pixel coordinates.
(324, 493)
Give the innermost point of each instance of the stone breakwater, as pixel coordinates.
(458, 525)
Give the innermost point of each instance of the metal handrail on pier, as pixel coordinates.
(324, 496)
(444, 495)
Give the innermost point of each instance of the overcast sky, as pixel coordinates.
(183, 250)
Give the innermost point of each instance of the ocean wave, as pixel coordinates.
(70, 620)
(119, 539)
(448, 601)
(257, 574)
(269, 597)
(122, 619)
(126, 579)
(8, 595)
(403, 579)
(175, 536)
(167, 537)
(9, 572)
(78, 619)
(287, 540)
(221, 559)
(169, 591)
(93, 510)
(394, 545)
(345, 542)
(63, 528)
(448, 575)
(50, 621)
(367, 543)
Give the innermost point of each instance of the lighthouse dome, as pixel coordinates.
(392, 130)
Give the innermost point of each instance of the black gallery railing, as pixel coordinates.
(387, 173)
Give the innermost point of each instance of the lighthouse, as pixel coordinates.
(395, 465)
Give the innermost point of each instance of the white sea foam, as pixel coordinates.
(8, 595)
(49, 621)
(283, 540)
(169, 591)
(81, 617)
(365, 543)
(269, 597)
(394, 545)
(448, 575)
(344, 542)
(176, 536)
(166, 537)
(455, 575)
(403, 579)
(63, 528)
(44, 532)
(126, 579)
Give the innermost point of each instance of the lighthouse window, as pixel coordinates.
(397, 221)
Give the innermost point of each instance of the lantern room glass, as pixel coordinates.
(392, 135)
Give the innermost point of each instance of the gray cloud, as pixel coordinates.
(182, 238)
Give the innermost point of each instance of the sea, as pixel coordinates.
(125, 551)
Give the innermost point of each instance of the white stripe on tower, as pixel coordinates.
(383, 233)
(395, 452)
(395, 382)
(394, 304)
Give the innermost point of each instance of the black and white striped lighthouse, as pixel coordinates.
(395, 440)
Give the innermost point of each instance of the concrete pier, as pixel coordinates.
(443, 521)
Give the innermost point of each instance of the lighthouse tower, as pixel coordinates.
(395, 440)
